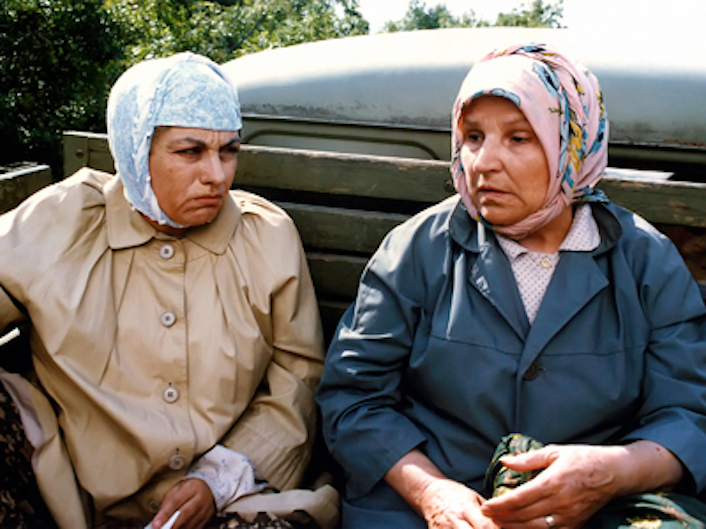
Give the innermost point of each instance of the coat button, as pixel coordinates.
(176, 462)
(532, 371)
(153, 506)
(171, 394)
(168, 318)
(166, 251)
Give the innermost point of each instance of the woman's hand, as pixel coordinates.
(193, 498)
(577, 481)
(444, 503)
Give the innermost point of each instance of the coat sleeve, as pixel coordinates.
(277, 430)
(362, 385)
(673, 412)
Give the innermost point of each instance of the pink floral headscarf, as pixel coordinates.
(564, 105)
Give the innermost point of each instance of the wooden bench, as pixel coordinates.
(343, 205)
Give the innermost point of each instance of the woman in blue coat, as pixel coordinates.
(526, 303)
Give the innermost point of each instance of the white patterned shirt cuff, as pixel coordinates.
(229, 475)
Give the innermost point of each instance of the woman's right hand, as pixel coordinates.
(445, 503)
(442, 502)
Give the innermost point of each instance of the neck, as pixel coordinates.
(165, 228)
(549, 237)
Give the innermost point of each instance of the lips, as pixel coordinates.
(209, 199)
(490, 191)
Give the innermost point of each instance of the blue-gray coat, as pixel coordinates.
(437, 352)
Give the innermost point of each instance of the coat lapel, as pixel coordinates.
(491, 275)
(576, 280)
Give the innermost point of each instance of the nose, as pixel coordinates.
(214, 171)
(487, 157)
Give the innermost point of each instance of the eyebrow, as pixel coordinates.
(200, 143)
(510, 121)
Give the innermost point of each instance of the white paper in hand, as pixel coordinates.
(169, 523)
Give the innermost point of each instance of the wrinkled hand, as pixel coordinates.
(448, 504)
(193, 498)
(577, 481)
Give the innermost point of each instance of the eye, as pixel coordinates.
(230, 151)
(191, 151)
(521, 137)
(473, 136)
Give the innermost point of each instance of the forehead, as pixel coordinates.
(193, 135)
(496, 107)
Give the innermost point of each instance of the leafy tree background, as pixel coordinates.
(59, 58)
(533, 14)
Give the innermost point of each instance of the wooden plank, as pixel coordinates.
(17, 185)
(86, 149)
(99, 154)
(347, 230)
(666, 202)
(75, 152)
(344, 174)
(335, 276)
(397, 178)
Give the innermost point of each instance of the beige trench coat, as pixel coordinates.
(155, 348)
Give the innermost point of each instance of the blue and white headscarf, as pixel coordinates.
(184, 90)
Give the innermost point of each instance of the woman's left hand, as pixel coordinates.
(577, 481)
(194, 501)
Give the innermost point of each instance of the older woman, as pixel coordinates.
(174, 323)
(526, 303)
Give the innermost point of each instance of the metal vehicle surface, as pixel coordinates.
(391, 94)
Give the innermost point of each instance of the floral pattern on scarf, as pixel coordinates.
(563, 103)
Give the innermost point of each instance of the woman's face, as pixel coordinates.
(505, 166)
(192, 171)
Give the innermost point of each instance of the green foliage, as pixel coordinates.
(57, 60)
(419, 16)
(535, 15)
(223, 30)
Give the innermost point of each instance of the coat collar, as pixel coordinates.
(473, 236)
(491, 269)
(127, 228)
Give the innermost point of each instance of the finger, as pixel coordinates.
(533, 460)
(524, 512)
(543, 522)
(176, 499)
(198, 508)
(166, 510)
(522, 497)
(478, 521)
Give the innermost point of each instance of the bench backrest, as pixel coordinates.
(343, 204)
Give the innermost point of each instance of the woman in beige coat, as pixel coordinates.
(174, 324)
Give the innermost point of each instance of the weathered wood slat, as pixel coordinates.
(347, 230)
(660, 202)
(343, 174)
(396, 178)
(86, 149)
(18, 184)
(335, 276)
